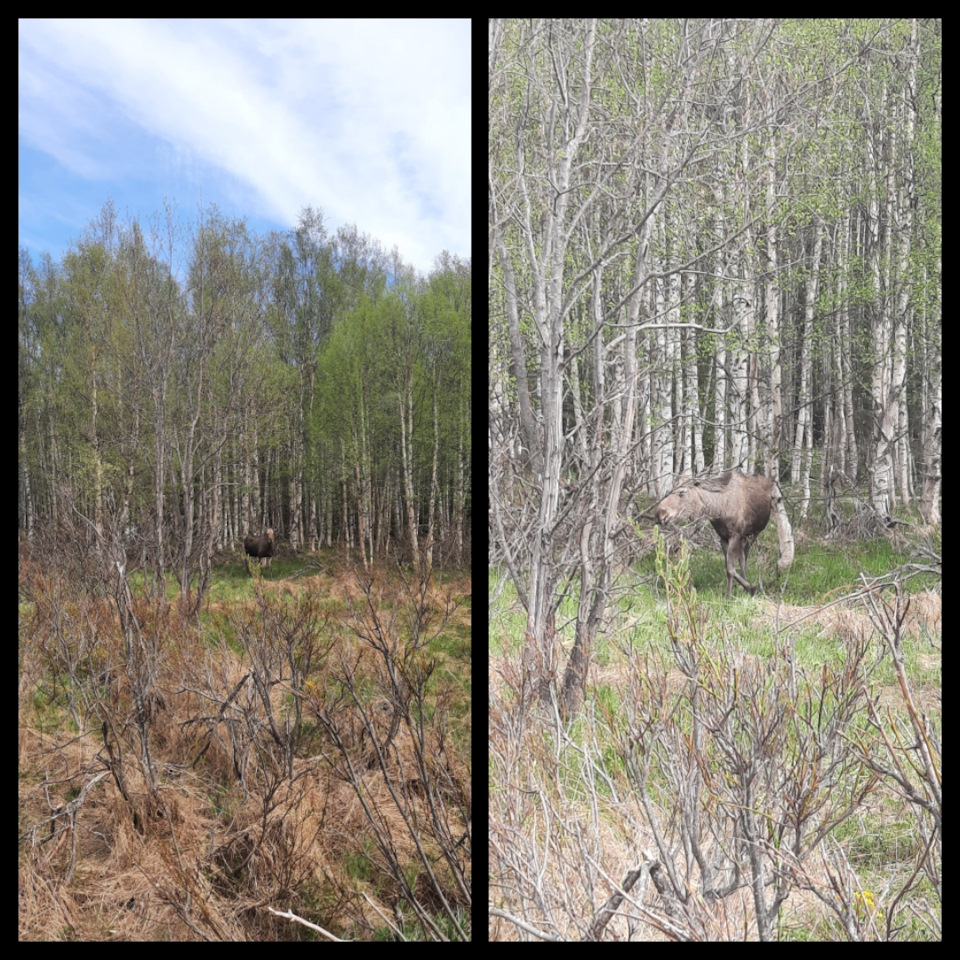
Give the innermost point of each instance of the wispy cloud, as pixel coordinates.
(368, 119)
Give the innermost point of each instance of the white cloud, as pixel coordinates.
(368, 119)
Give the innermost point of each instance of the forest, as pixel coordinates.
(714, 243)
(244, 588)
(715, 251)
(183, 385)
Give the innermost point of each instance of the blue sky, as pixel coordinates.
(366, 120)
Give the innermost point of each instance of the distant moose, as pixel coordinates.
(260, 547)
(739, 506)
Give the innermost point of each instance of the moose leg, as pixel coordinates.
(735, 550)
(725, 545)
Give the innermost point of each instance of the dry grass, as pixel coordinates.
(177, 778)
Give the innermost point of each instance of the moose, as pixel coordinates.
(739, 506)
(261, 547)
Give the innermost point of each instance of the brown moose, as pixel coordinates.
(261, 547)
(739, 506)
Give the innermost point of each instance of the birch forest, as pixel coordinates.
(244, 587)
(184, 384)
(714, 245)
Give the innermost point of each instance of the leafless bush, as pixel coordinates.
(718, 798)
(204, 769)
(382, 740)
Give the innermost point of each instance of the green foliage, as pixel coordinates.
(266, 375)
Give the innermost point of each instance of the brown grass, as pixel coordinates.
(176, 777)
